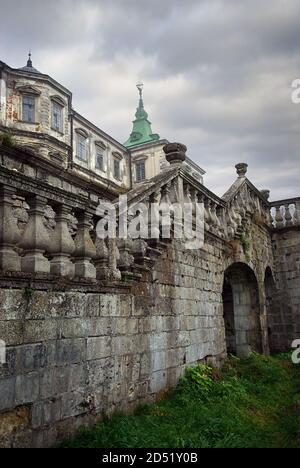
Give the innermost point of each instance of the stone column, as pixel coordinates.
(9, 232)
(62, 245)
(85, 249)
(35, 240)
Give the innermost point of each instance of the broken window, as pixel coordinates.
(28, 108)
(56, 118)
(116, 169)
(140, 171)
(81, 150)
(99, 158)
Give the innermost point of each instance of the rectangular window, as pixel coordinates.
(116, 169)
(57, 117)
(140, 171)
(99, 159)
(28, 109)
(81, 151)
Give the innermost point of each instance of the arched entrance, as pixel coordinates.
(241, 310)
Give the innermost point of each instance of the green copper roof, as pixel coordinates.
(141, 132)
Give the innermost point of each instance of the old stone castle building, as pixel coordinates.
(91, 326)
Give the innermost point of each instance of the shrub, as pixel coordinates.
(7, 139)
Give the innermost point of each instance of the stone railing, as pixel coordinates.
(285, 213)
(246, 206)
(46, 229)
(176, 187)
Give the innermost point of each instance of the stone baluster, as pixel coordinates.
(273, 213)
(293, 213)
(85, 249)
(250, 207)
(297, 212)
(101, 259)
(252, 203)
(62, 245)
(165, 203)
(194, 200)
(9, 232)
(217, 223)
(126, 260)
(114, 256)
(201, 199)
(210, 220)
(221, 220)
(242, 209)
(280, 217)
(35, 240)
(139, 249)
(187, 194)
(154, 216)
(288, 215)
(238, 216)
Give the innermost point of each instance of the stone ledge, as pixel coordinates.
(45, 282)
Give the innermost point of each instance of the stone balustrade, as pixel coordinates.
(48, 230)
(285, 213)
(245, 206)
(65, 247)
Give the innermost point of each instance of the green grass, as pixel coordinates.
(249, 403)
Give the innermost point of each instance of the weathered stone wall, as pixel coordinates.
(72, 356)
(120, 328)
(284, 321)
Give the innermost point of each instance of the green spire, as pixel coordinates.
(141, 132)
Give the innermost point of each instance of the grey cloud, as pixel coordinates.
(235, 62)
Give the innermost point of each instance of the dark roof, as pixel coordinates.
(29, 68)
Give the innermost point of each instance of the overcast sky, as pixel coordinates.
(217, 74)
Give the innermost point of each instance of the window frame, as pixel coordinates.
(80, 134)
(60, 105)
(117, 175)
(99, 154)
(143, 164)
(33, 98)
(100, 151)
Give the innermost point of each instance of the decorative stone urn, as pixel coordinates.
(175, 153)
(241, 169)
(265, 194)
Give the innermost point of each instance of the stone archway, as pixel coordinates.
(241, 310)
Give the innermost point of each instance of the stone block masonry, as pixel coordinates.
(73, 356)
(93, 326)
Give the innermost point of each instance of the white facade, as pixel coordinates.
(38, 112)
(153, 157)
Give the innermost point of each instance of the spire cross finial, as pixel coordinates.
(29, 61)
(140, 87)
